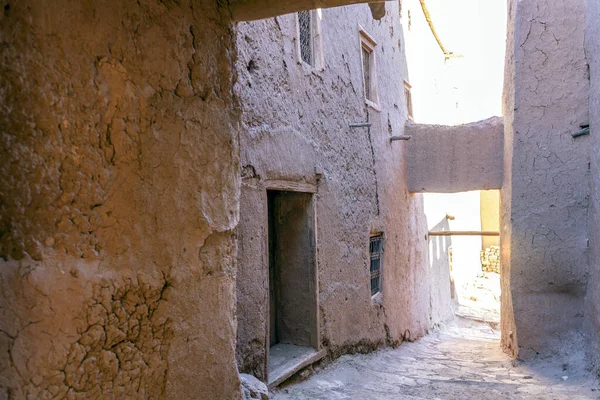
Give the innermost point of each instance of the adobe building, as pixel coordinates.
(546, 197)
(549, 239)
(120, 190)
(332, 247)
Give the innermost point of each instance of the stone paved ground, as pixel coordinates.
(462, 360)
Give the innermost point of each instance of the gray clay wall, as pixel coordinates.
(592, 301)
(119, 188)
(545, 195)
(296, 134)
(452, 159)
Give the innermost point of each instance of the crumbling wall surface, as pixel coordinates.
(118, 199)
(548, 174)
(592, 303)
(451, 159)
(295, 129)
(508, 330)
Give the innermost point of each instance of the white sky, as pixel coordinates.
(462, 89)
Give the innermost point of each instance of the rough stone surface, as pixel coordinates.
(119, 191)
(547, 178)
(252, 388)
(490, 259)
(451, 159)
(461, 361)
(295, 129)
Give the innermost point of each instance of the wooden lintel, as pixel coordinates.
(289, 186)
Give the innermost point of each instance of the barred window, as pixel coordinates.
(309, 41)
(376, 253)
(305, 26)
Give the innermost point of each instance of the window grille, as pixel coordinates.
(366, 59)
(306, 37)
(376, 252)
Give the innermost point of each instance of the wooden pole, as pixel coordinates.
(464, 233)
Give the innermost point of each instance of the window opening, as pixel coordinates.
(366, 59)
(376, 252)
(305, 24)
(408, 97)
(369, 69)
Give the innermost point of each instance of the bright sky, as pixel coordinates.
(462, 89)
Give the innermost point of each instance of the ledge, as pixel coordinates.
(287, 359)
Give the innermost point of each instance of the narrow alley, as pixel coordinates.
(461, 360)
(260, 199)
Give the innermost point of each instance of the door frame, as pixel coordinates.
(299, 187)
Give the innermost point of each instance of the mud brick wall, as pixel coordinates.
(118, 198)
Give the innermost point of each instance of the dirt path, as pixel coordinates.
(462, 361)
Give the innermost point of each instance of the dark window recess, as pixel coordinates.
(366, 60)
(306, 37)
(376, 252)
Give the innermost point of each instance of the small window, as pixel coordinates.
(376, 253)
(306, 37)
(369, 69)
(408, 98)
(309, 38)
(366, 61)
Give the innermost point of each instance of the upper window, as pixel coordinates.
(408, 98)
(369, 69)
(309, 38)
(366, 64)
(376, 253)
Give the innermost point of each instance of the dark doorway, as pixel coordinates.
(293, 318)
(292, 290)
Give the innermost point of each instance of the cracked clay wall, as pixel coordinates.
(119, 193)
(452, 159)
(295, 130)
(545, 195)
(592, 303)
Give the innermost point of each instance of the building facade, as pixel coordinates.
(322, 94)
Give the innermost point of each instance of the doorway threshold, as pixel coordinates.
(287, 359)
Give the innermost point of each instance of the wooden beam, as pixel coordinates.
(463, 233)
(250, 10)
(289, 186)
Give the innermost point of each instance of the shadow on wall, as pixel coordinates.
(439, 263)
